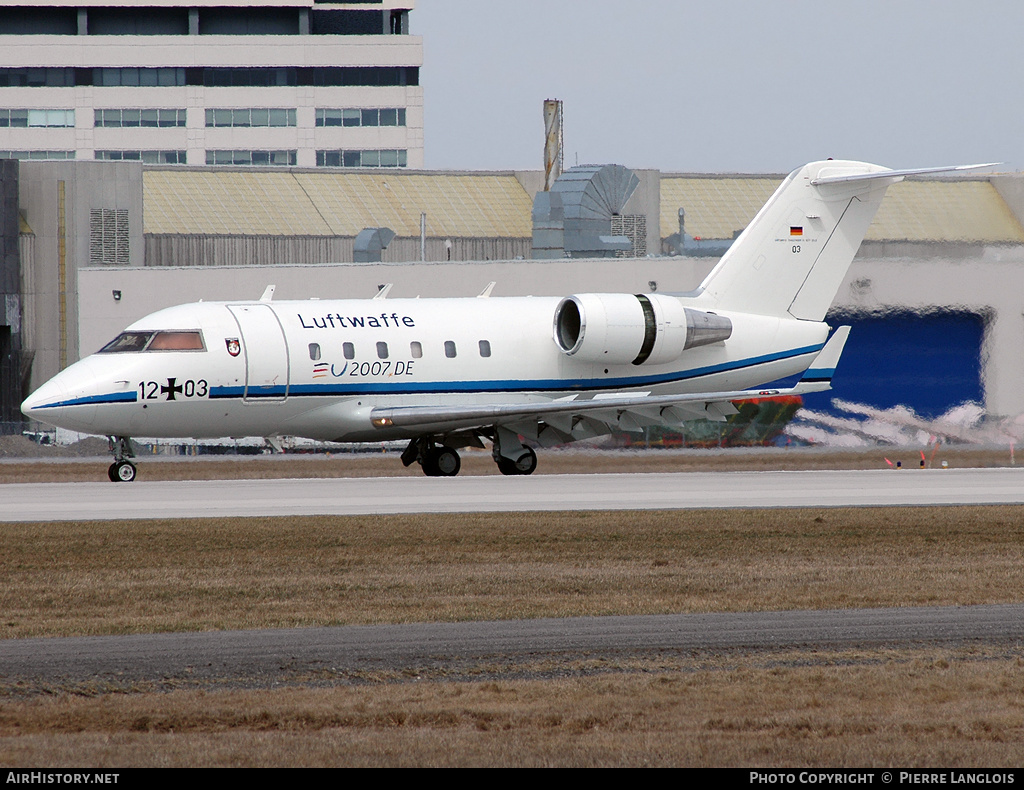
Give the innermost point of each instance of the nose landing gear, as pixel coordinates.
(122, 470)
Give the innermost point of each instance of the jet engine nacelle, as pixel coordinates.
(640, 329)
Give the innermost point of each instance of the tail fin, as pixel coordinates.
(792, 257)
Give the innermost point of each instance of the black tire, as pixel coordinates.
(524, 466)
(124, 471)
(112, 472)
(442, 462)
(447, 462)
(527, 462)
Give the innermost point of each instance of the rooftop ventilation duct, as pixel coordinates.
(370, 243)
(580, 207)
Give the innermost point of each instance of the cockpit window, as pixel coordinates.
(177, 340)
(127, 341)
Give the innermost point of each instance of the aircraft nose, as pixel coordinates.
(65, 400)
(46, 404)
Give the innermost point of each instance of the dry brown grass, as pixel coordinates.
(921, 707)
(926, 709)
(197, 574)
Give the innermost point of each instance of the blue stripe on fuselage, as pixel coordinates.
(363, 387)
(113, 397)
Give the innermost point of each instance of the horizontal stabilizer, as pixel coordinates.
(895, 174)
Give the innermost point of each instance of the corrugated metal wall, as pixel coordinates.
(175, 250)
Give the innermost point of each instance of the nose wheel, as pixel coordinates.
(122, 470)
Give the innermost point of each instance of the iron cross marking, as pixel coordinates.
(170, 389)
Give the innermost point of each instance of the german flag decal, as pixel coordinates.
(796, 230)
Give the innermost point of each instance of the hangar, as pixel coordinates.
(934, 294)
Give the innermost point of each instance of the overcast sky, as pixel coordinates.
(723, 85)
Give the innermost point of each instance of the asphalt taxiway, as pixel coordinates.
(358, 496)
(265, 658)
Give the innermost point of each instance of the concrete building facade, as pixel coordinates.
(212, 82)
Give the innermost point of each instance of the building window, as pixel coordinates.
(37, 78)
(108, 236)
(251, 158)
(256, 77)
(449, 349)
(386, 116)
(371, 158)
(485, 348)
(248, 21)
(348, 350)
(146, 78)
(129, 22)
(147, 119)
(250, 78)
(416, 349)
(37, 154)
(250, 117)
(23, 119)
(147, 157)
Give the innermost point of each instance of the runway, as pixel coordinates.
(302, 655)
(377, 495)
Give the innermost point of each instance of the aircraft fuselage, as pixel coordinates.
(316, 368)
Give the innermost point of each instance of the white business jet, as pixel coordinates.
(450, 373)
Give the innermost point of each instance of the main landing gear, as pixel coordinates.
(511, 455)
(122, 470)
(442, 460)
(524, 465)
(437, 460)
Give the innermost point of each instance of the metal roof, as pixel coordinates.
(298, 203)
(918, 210)
(495, 205)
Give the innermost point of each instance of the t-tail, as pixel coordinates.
(791, 259)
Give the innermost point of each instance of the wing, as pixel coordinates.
(566, 419)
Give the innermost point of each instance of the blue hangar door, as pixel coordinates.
(930, 362)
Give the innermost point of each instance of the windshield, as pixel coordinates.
(176, 340)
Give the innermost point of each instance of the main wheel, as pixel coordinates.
(124, 471)
(525, 465)
(441, 462)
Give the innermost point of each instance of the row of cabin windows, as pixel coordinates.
(415, 350)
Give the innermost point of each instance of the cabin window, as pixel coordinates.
(485, 348)
(382, 350)
(314, 351)
(416, 349)
(449, 349)
(348, 350)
